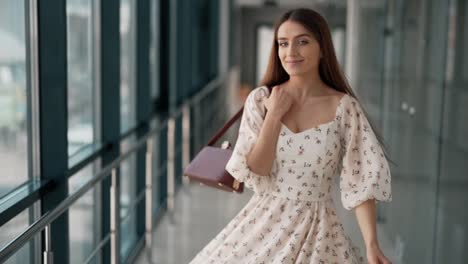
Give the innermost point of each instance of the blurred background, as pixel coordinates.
(142, 85)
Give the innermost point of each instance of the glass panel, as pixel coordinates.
(127, 197)
(203, 40)
(11, 230)
(414, 83)
(452, 222)
(128, 238)
(13, 96)
(81, 119)
(368, 79)
(157, 171)
(154, 49)
(80, 48)
(127, 64)
(83, 218)
(23, 255)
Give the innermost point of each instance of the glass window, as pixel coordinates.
(154, 49)
(452, 219)
(80, 49)
(83, 218)
(128, 121)
(14, 125)
(10, 231)
(411, 105)
(13, 96)
(127, 64)
(127, 199)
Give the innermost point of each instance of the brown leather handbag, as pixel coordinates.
(208, 166)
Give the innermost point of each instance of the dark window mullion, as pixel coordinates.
(110, 103)
(143, 99)
(52, 30)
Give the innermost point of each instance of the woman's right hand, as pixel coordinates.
(279, 101)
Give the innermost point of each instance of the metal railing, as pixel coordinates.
(43, 224)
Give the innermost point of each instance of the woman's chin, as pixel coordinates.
(296, 73)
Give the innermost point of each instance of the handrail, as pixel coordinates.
(45, 220)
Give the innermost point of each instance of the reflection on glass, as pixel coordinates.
(128, 237)
(128, 120)
(80, 47)
(157, 172)
(13, 119)
(154, 49)
(82, 218)
(127, 64)
(80, 74)
(10, 231)
(127, 197)
(452, 216)
(412, 98)
(13, 99)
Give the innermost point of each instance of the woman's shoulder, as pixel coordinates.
(336, 97)
(258, 94)
(261, 91)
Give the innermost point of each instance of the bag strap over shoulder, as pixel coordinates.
(228, 124)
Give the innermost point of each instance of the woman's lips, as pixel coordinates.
(295, 62)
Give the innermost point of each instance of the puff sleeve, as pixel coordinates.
(249, 129)
(365, 173)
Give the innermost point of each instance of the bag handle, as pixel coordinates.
(226, 126)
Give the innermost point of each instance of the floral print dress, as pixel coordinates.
(291, 217)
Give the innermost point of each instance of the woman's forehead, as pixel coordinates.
(290, 30)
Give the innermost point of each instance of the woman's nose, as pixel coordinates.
(292, 49)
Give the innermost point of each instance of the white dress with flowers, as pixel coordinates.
(291, 217)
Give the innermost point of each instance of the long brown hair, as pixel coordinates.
(329, 69)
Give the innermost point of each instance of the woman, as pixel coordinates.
(299, 130)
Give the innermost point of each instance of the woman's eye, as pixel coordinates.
(303, 42)
(283, 44)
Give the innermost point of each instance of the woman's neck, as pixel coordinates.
(304, 87)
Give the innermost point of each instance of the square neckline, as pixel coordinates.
(319, 125)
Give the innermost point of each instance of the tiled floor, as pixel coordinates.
(201, 212)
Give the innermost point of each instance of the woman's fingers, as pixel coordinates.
(384, 260)
(279, 100)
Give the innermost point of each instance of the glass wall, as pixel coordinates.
(83, 218)
(82, 104)
(81, 74)
(11, 230)
(452, 216)
(414, 87)
(14, 142)
(127, 200)
(127, 64)
(412, 77)
(13, 96)
(154, 48)
(203, 15)
(128, 121)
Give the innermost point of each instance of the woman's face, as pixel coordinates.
(298, 50)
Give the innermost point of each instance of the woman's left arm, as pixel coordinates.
(366, 218)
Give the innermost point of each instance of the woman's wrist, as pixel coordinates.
(274, 118)
(372, 244)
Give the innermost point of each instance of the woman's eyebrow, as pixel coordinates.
(300, 35)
